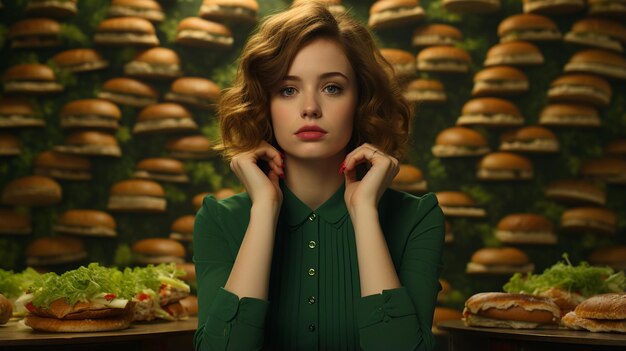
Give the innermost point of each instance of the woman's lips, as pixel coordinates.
(310, 133)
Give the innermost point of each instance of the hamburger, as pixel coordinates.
(194, 92)
(13, 222)
(472, 6)
(528, 27)
(611, 170)
(402, 62)
(569, 115)
(601, 62)
(597, 32)
(442, 314)
(553, 7)
(182, 229)
(529, 139)
(576, 191)
(198, 32)
(154, 63)
(6, 309)
(525, 228)
(514, 53)
(219, 195)
(126, 31)
(394, 13)
(164, 118)
(409, 179)
(10, 145)
(600, 313)
(17, 113)
(436, 35)
(595, 220)
(583, 88)
(90, 143)
(459, 142)
(240, 11)
(32, 190)
(504, 166)
(33, 33)
(190, 304)
(137, 195)
(129, 92)
(161, 169)
(616, 147)
(191, 147)
(443, 59)
(498, 81)
(86, 222)
(30, 78)
(49, 251)
(607, 8)
(60, 9)
(334, 6)
(62, 166)
(613, 256)
(158, 250)
(508, 310)
(190, 271)
(499, 261)
(425, 91)
(459, 204)
(490, 112)
(79, 60)
(197, 200)
(224, 193)
(90, 113)
(147, 9)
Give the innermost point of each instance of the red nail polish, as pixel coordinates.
(282, 176)
(342, 168)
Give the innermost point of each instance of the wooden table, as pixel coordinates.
(463, 338)
(155, 335)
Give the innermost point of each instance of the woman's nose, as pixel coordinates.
(310, 107)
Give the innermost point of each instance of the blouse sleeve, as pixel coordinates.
(401, 319)
(225, 322)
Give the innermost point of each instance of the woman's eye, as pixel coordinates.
(332, 89)
(289, 91)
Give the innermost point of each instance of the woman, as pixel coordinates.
(314, 255)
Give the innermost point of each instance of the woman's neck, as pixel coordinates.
(313, 182)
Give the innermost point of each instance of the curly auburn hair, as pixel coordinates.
(382, 116)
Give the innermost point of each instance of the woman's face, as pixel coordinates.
(313, 108)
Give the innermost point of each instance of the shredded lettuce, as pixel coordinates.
(12, 285)
(582, 279)
(151, 277)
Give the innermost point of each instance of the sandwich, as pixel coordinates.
(147, 9)
(191, 147)
(443, 59)
(459, 204)
(613, 256)
(599, 33)
(472, 6)
(32, 190)
(529, 139)
(90, 113)
(425, 91)
(504, 166)
(86, 222)
(595, 220)
(528, 27)
(137, 195)
(240, 11)
(6, 309)
(62, 166)
(508, 310)
(499, 81)
(90, 143)
(154, 63)
(402, 62)
(525, 228)
(435, 35)
(576, 191)
(334, 6)
(609, 169)
(499, 261)
(197, 200)
(15, 284)
(13, 222)
(581, 88)
(553, 7)
(126, 31)
(459, 142)
(514, 53)
(182, 228)
(30, 78)
(129, 92)
(394, 13)
(198, 32)
(54, 251)
(409, 179)
(161, 169)
(615, 147)
(33, 33)
(17, 113)
(60, 9)
(600, 313)
(569, 115)
(79, 60)
(10, 145)
(607, 8)
(164, 118)
(190, 304)
(601, 62)
(194, 91)
(490, 112)
(158, 250)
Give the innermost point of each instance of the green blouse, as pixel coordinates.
(315, 301)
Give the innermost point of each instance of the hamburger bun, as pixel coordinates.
(90, 143)
(615, 147)
(161, 169)
(566, 300)
(194, 92)
(333, 6)
(128, 91)
(458, 204)
(86, 222)
(576, 191)
(601, 62)
(6, 309)
(30, 78)
(190, 304)
(504, 166)
(553, 7)
(18, 112)
(409, 179)
(436, 35)
(198, 32)
(48, 251)
(90, 113)
(508, 310)
(499, 81)
(33, 190)
(425, 92)
(80, 60)
(528, 27)
(191, 147)
(569, 115)
(514, 53)
(525, 228)
(147, 9)
(614, 9)
(613, 256)
(599, 313)
(137, 195)
(78, 325)
(598, 33)
(402, 62)
(442, 314)
(490, 112)
(13, 222)
(33, 33)
(472, 6)
(10, 145)
(582, 88)
(239, 11)
(443, 59)
(126, 31)
(164, 118)
(158, 250)
(62, 166)
(197, 200)
(190, 272)
(459, 142)
(608, 169)
(394, 13)
(182, 228)
(499, 261)
(596, 220)
(59, 9)
(154, 63)
(529, 139)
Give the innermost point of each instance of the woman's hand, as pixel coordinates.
(262, 188)
(367, 191)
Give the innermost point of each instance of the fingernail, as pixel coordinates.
(343, 167)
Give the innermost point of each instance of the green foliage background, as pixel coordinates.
(499, 199)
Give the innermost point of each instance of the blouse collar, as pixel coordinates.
(296, 212)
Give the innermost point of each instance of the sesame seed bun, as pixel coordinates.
(459, 142)
(86, 222)
(499, 260)
(33, 190)
(599, 313)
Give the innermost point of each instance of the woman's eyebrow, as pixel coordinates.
(322, 76)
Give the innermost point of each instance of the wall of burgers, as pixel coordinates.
(108, 134)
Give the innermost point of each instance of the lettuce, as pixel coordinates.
(13, 285)
(583, 279)
(151, 277)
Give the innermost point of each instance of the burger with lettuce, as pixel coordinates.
(13, 285)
